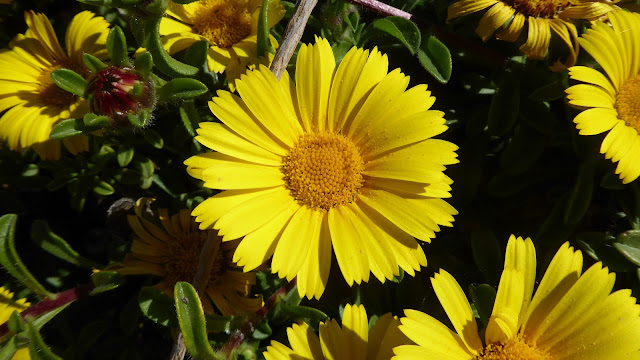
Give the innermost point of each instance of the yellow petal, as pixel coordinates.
(590, 96)
(465, 7)
(493, 19)
(41, 29)
(596, 121)
(304, 341)
(220, 137)
(348, 246)
(355, 327)
(521, 257)
(629, 165)
(503, 324)
(226, 172)
(383, 337)
(87, 33)
(512, 33)
(314, 274)
(332, 341)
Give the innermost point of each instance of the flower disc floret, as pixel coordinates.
(538, 8)
(514, 349)
(323, 171)
(628, 103)
(223, 24)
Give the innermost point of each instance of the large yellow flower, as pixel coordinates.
(613, 103)
(508, 18)
(7, 307)
(342, 158)
(354, 341)
(230, 27)
(34, 102)
(571, 316)
(173, 253)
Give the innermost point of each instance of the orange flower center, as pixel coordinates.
(184, 258)
(323, 171)
(49, 93)
(628, 103)
(538, 8)
(514, 349)
(224, 23)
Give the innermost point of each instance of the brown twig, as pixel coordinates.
(200, 281)
(292, 35)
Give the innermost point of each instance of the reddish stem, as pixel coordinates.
(45, 306)
(238, 337)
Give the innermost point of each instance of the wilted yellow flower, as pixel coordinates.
(33, 102)
(571, 316)
(612, 104)
(342, 159)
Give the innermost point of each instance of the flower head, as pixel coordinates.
(229, 26)
(119, 91)
(34, 103)
(612, 103)
(354, 341)
(507, 18)
(7, 307)
(342, 159)
(571, 316)
(172, 251)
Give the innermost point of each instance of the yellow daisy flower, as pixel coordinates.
(354, 341)
(230, 27)
(173, 253)
(7, 307)
(343, 158)
(612, 104)
(571, 316)
(507, 18)
(34, 103)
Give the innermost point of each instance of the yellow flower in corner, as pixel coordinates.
(7, 307)
(612, 103)
(33, 102)
(354, 341)
(342, 159)
(172, 252)
(508, 18)
(230, 27)
(571, 316)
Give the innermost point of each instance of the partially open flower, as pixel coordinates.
(117, 92)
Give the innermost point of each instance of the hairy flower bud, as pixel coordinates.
(118, 92)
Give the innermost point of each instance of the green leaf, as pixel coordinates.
(197, 53)
(124, 155)
(93, 63)
(505, 105)
(522, 151)
(183, 1)
(8, 349)
(105, 281)
(599, 246)
(628, 244)
(16, 323)
(192, 322)
(161, 58)
(117, 47)
(487, 254)
(435, 57)
(103, 188)
(483, 296)
(41, 320)
(143, 64)
(145, 165)
(140, 119)
(262, 331)
(9, 258)
(153, 138)
(55, 245)
(580, 198)
(302, 312)
(189, 116)
(157, 306)
(37, 348)
(95, 122)
(225, 324)
(67, 128)
(263, 43)
(402, 29)
(157, 7)
(181, 89)
(70, 81)
(549, 92)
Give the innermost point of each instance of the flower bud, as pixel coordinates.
(118, 92)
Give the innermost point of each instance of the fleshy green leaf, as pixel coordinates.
(93, 63)
(41, 320)
(191, 320)
(302, 312)
(402, 29)
(523, 150)
(105, 281)
(483, 297)
(143, 64)
(628, 244)
(225, 324)
(157, 7)
(67, 128)
(8, 349)
(37, 348)
(55, 245)
(161, 58)
(580, 198)
(10, 260)
(181, 89)
(262, 331)
(153, 138)
(139, 119)
(70, 81)
(598, 245)
(183, 1)
(263, 43)
(95, 122)
(117, 47)
(505, 105)
(103, 188)
(196, 54)
(487, 254)
(189, 116)
(157, 306)
(125, 155)
(435, 57)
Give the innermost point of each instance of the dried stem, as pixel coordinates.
(200, 281)
(382, 8)
(292, 35)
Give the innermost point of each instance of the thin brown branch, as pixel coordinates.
(292, 35)
(200, 281)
